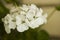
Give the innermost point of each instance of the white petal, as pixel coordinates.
(8, 17)
(22, 28)
(41, 10)
(22, 12)
(12, 25)
(35, 23)
(38, 14)
(30, 15)
(22, 17)
(44, 18)
(14, 15)
(7, 29)
(5, 21)
(18, 20)
(33, 7)
(24, 7)
(26, 21)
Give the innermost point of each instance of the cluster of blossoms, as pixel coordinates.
(23, 17)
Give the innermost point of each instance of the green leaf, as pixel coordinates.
(30, 34)
(42, 35)
(58, 8)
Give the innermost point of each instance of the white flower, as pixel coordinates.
(22, 27)
(24, 17)
(8, 23)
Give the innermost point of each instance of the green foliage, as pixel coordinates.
(31, 34)
(27, 35)
(3, 10)
(58, 8)
(42, 35)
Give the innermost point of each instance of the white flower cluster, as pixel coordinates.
(23, 17)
